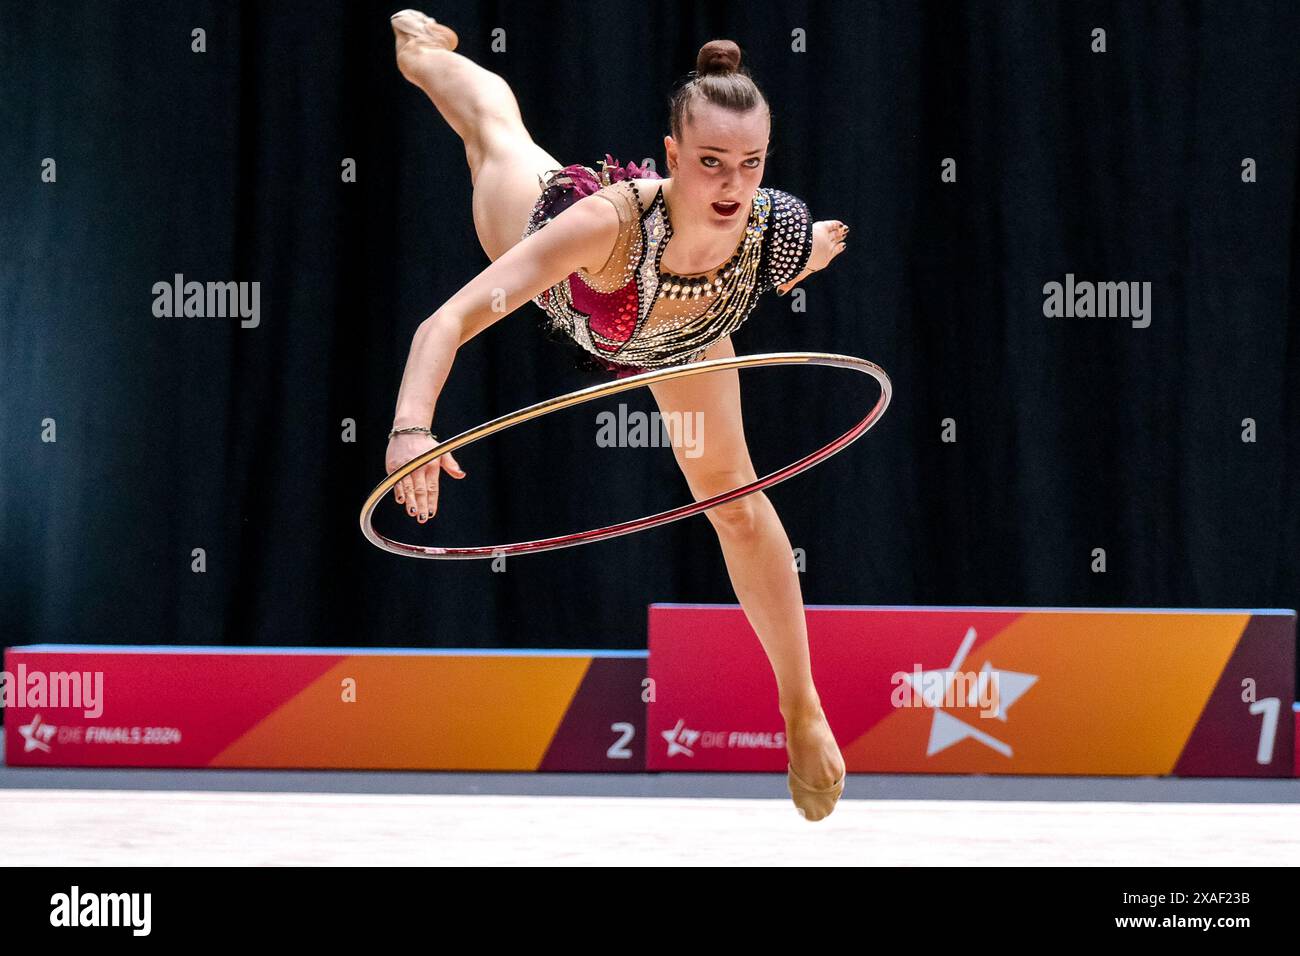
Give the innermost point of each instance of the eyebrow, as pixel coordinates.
(719, 149)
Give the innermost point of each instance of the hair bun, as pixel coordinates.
(718, 56)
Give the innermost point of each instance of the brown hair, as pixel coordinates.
(718, 79)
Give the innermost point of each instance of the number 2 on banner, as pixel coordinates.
(618, 749)
(1269, 707)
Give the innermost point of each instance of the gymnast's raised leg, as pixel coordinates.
(504, 162)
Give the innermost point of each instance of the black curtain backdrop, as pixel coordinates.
(175, 434)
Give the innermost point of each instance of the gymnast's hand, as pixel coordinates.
(829, 240)
(418, 491)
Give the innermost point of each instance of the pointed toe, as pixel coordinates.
(813, 803)
(417, 26)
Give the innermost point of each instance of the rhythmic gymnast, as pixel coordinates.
(637, 272)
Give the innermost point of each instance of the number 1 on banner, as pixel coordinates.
(1269, 707)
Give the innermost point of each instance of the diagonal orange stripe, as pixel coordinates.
(452, 713)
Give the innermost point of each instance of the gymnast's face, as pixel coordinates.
(717, 165)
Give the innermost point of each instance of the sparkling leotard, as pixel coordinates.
(629, 316)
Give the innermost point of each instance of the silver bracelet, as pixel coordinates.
(411, 430)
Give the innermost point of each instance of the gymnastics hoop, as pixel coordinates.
(613, 388)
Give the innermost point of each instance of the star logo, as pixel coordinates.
(36, 735)
(680, 740)
(935, 687)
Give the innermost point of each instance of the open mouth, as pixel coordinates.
(726, 208)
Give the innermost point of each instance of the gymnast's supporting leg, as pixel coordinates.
(504, 162)
(759, 559)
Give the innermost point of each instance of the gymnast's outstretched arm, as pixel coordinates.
(582, 236)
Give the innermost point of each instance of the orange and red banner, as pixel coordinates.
(910, 690)
(984, 690)
(313, 708)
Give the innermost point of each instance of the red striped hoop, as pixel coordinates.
(612, 388)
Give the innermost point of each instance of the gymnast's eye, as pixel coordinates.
(711, 162)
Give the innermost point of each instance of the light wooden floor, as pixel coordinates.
(143, 827)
